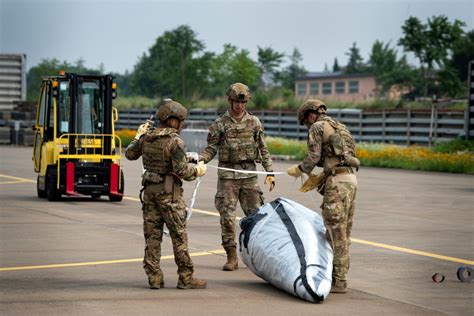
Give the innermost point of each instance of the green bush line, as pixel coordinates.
(297, 151)
(266, 101)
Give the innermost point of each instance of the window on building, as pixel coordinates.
(314, 88)
(301, 88)
(353, 86)
(340, 87)
(327, 87)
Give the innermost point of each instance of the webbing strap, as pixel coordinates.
(299, 249)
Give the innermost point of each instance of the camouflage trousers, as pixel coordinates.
(338, 212)
(229, 191)
(159, 209)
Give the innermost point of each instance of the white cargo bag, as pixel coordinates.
(285, 244)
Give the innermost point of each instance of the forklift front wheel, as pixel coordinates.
(52, 193)
(41, 193)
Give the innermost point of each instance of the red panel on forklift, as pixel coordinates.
(70, 178)
(114, 179)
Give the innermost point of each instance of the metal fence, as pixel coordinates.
(404, 127)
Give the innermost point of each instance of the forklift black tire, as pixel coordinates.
(52, 193)
(115, 198)
(118, 198)
(41, 193)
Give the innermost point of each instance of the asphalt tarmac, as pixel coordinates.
(81, 256)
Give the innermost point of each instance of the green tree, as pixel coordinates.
(431, 43)
(269, 61)
(51, 67)
(123, 82)
(335, 66)
(233, 65)
(388, 69)
(288, 75)
(175, 66)
(355, 63)
(463, 53)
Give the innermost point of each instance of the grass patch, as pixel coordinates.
(289, 147)
(456, 156)
(126, 136)
(415, 158)
(456, 145)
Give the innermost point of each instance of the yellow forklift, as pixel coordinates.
(76, 151)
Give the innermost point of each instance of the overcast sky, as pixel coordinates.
(116, 33)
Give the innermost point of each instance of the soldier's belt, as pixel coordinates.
(152, 177)
(341, 170)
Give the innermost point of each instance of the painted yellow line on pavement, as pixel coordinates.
(205, 253)
(196, 210)
(93, 263)
(374, 244)
(11, 182)
(16, 178)
(412, 251)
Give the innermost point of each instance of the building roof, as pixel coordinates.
(331, 75)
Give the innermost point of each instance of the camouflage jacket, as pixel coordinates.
(318, 135)
(163, 152)
(240, 145)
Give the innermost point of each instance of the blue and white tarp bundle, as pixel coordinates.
(285, 244)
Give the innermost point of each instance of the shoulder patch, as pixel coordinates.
(179, 152)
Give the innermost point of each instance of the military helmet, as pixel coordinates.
(169, 108)
(239, 92)
(313, 105)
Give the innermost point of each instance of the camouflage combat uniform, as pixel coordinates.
(165, 164)
(339, 193)
(239, 145)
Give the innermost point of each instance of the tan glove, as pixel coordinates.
(201, 169)
(313, 182)
(294, 171)
(141, 130)
(270, 180)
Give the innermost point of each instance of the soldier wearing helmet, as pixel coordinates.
(332, 147)
(238, 139)
(164, 161)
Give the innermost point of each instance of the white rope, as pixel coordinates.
(246, 171)
(193, 199)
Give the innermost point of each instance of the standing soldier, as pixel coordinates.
(332, 147)
(165, 164)
(237, 136)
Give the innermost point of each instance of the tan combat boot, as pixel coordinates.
(339, 287)
(156, 282)
(232, 260)
(194, 284)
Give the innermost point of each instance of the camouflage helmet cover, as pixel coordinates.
(169, 108)
(311, 104)
(239, 92)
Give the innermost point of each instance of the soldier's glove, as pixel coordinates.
(201, 169)
(142, 130)
(270, 180)
(294, 171)
(313, 182)
(193, 157)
